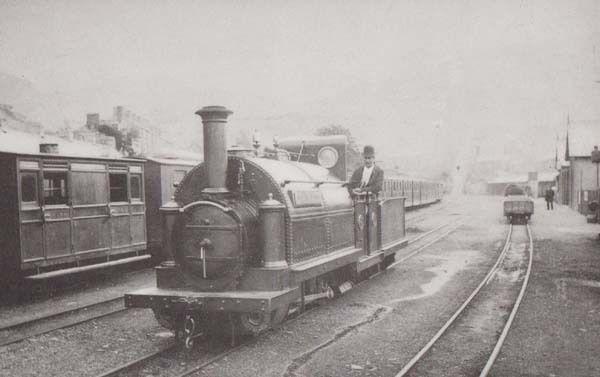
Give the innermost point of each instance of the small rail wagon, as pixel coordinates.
(517, 206)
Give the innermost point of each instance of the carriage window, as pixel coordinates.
(136, 186)
(28, 188)
(55, 188)
(118, 187)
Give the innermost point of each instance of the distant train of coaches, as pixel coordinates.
(59, 213)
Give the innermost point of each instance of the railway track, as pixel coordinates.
(412, 218)
(37, 326)
(174, 350)
(112, 302)
(423, 241)
(472, 330)
(20, 331)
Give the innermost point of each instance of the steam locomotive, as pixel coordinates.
(247, 236)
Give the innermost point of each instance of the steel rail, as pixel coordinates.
(414, 219)
(513, 313)
(440, 332)
(224, 354)
(120, 369)
(33, 320)
(149, 356)
(415, 239)
(212, 360)
(424, 211)
(413, 253)
(123, 367)
(220, 356)
(30, 323)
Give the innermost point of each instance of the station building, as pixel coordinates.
(535, 183)
(578, 178)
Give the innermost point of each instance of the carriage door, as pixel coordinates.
(137, 207)
(90, 206)
(120, 231)
(56, 210)
(32, 225)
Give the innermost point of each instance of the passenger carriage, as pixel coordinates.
(62, 211)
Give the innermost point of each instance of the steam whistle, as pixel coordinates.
(256, 141)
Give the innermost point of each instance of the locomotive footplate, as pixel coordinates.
(238, 301)
(379, 256)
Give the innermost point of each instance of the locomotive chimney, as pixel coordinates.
(214, 119)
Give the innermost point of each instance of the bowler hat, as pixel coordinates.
(368, 151)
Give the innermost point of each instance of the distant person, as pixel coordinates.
(549, 196)
(367, 178)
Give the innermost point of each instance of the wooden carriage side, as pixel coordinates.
(66, 210)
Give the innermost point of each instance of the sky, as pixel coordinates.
(409, 77)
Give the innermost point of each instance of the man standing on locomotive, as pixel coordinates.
(367, 178)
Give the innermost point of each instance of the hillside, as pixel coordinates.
(26, 99)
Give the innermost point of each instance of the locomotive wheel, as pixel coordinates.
(256, 322)
(387, 261)
(253, 323)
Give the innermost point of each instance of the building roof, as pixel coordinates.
(523, 178)
(13, 141)
(547, 176)
(581, 138)
(173, 161)
(180, 154)
(520, 178)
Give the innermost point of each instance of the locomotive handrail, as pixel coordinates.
(205, 202)
(316, 183)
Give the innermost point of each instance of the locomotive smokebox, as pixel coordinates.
(214, 120)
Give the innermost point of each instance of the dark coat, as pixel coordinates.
(549, 195)
(375, 182)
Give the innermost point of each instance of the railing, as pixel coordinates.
(316, 183)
